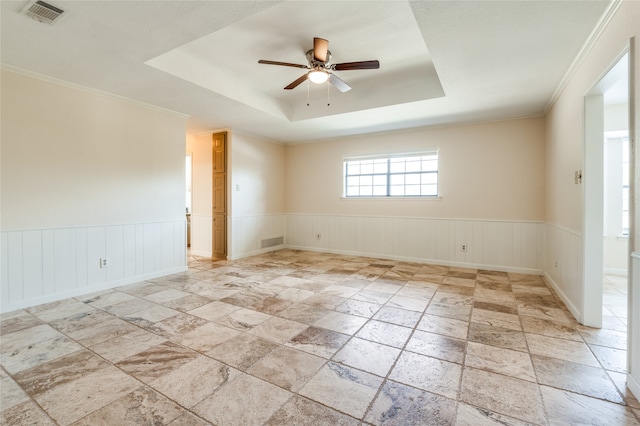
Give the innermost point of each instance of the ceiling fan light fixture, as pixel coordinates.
(318, 77)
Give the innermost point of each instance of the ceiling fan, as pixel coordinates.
(320, 70)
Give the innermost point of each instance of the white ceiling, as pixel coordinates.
(441, 62)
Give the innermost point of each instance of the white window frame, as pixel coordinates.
(410, 179)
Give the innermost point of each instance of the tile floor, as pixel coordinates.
(301, 338)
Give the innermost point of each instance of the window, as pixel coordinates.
(409, 175)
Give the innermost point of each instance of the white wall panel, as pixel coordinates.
(507, 245)
(40, 266)
(247, 233)
(32, 263)
(64, 259)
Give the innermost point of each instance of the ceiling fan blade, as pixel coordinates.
(286, 64)
(360, 65)
(296, 83)
(320, 48)
(338, 83)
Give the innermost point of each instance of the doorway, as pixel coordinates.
(596, 103)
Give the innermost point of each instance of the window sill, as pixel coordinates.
(429, 198)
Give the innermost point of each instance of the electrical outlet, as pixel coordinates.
(556, 264)
(463, 248)
(318, 236)
(103, 262)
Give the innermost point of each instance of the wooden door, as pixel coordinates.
(219, 226)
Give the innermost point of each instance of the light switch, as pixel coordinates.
(237, 187)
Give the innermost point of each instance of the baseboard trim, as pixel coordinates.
(577, 313)
(9, 307)
(633, 386)
(421, 260)
(256, 252)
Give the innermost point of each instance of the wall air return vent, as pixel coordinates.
(43, 12)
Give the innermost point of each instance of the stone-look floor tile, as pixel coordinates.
(156, 361)
(146, 317)
(398, 316)
(194, 381)
(340, 291)
(16, 321)
(288, 368)
(294, 294)
(367, 356)
(187, 303)
(300, 411)
(166, 295)
(11, 394)
(473, 416)
(307, 314)
(495, 306)
(60, 309)
(610, 358)
(279, 330)
(567, 350)
(326, 301)
(430, 374)
(407, 303)
(385, 333)
(346, 389)
(500, 360)
(245, 400)
(44, 377)
(243, 319)
(104, 330)
(437, 346)
(497, 336)
(342, 323)
(80, 321)
(318, 341)
(138, 407)
(142, 289)
(124, 346)
(495, 296)
(496, 319)
(454, 311)
(445, 326)
(376, 297)
(123, 309)
(601, 337)
(459, 281)
(418, 290)
(25, 413)
(537, 311)
(176, 325)
(33, 354)
(550, 328)
(73, 400)
(383, 286)
(400, 405)
(446, 288)
(206, 337)
(358, 308)
(574, 377)
(242, 351)
(106, 298)
(502, 394)
(564, 408)
(620, 380)
(189, 419)
(28, 336)
(214, 310)
(271, 305)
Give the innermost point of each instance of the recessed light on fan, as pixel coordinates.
(320, 68)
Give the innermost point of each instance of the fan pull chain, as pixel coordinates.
(328, 91)
(308, 89)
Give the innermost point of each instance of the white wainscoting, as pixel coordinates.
(247, 233)
(514, 246)
(563, 265)
(44, 265)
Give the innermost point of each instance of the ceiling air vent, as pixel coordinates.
(43, 12)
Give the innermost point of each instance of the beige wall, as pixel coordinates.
(72, 157)
(487, 171)
(258, 175)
